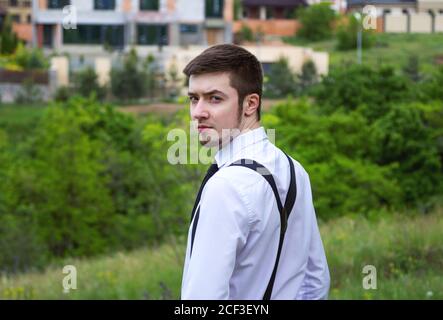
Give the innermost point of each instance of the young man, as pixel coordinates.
(237, 244)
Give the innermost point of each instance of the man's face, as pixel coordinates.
(214, 106)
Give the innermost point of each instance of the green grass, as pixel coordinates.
(407, 252)
(393, 49)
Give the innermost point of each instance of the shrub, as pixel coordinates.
(8, 39)
(347, 35)
(128, 83)
(30, 58)
(281, 80)
(85, 83)
(316, 22)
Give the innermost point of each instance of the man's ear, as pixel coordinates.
(250, 104)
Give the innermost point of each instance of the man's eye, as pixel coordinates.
(193, 99)
(215, 99)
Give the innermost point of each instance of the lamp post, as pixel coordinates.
(358, 16)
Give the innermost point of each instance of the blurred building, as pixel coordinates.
(401, 16)
(172, 31)
(123, 23)
(269, 17)
(20, 12)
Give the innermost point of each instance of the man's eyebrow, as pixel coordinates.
(207, 93)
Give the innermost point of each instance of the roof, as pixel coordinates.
(378, 2)
(274, 3)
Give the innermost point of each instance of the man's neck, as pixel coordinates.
(244, 129)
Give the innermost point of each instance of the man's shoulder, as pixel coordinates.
(238, 176)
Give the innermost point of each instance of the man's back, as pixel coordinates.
(237, 235)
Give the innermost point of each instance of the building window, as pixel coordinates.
(26, 4)
(29, 18)
(104, 4)
(15, 18)
(214, 8)
(58, 4)
(149, 5)
(269, 13)
(188, 28)
(151, 34)
(253, 12)
(13, 3)
(95, 34)
(47, 36)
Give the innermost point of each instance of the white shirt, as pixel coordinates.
(237, 235)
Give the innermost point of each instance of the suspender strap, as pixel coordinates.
(285, 210)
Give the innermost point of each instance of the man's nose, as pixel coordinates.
(199, 111)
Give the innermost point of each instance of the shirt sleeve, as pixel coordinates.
(316, 282)
(221, 231)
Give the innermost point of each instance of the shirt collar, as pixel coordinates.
(246, 139)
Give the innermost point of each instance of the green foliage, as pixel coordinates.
(333, 150)
(151, 68)
(316, 20)
(85, 83)
(401, 137)
(87, 180)
(412, 68)
(128, 83)
(30, 58)
(282, 80)
(367, 127)
(347, 35)
(407, 252)
(308, 76)
(62, 94)
(432, 87)
(354, 85)
(246, 33)
(237, 9)
(8, 39)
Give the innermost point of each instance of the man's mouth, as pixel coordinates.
(202, 128)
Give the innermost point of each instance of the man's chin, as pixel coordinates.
(208, 142)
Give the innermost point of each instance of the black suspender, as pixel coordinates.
(285, 210)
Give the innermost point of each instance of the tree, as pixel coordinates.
(316, 22)
(401, 137)
(246, 33)
(432, 87)
(30, 58)
(347, 35)
(86, 83)
(128, 83)
(354, 86)
(8, 39)
(174, 81)
(151, 69)
(308, 76)
(281, 80)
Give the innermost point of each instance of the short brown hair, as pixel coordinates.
(246, 75)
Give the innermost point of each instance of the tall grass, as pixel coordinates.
(406, 251)
(393, 49)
